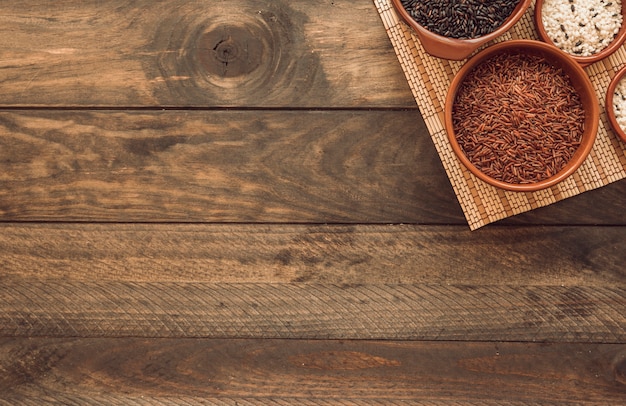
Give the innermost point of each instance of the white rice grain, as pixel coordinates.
(619, 103)
(582, 27)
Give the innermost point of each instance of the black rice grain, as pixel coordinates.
(460, 19)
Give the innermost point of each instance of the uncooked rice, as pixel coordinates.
(619, 103)
(518, 118)
(582, 27)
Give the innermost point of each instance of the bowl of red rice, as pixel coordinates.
(521, 115)
(615, 103)
(587, 30)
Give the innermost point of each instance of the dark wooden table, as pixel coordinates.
(237, 202)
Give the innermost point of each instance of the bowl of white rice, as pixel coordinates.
(587, 30)
(615, 104)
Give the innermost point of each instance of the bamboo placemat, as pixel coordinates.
(429, 78)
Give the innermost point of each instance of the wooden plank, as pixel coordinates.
(241, 166)
(303, 53)
(236, 166)
(277, 372)
(336, 254)
(64, 308)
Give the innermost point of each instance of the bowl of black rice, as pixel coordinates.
(453, 29)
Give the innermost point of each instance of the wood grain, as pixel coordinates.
(235, 166)
(240, 166)
(139, 371)
(316, 311)
(305, 53)
(336, 254)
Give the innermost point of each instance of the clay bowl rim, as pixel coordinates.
(608, 106)
(463, 47)
(617, 42)
(581, 82)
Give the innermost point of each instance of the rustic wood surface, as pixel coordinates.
(237, 202)
(310, 372)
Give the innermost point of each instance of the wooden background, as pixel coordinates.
(237, 202)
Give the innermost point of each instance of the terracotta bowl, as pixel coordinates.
(582, 60)
(452, 48)
(610, 112)
(581, 83)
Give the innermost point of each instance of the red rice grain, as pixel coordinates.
(518, 118)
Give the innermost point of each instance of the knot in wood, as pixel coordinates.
(239, 54)
(230, 51)
(226, 51)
